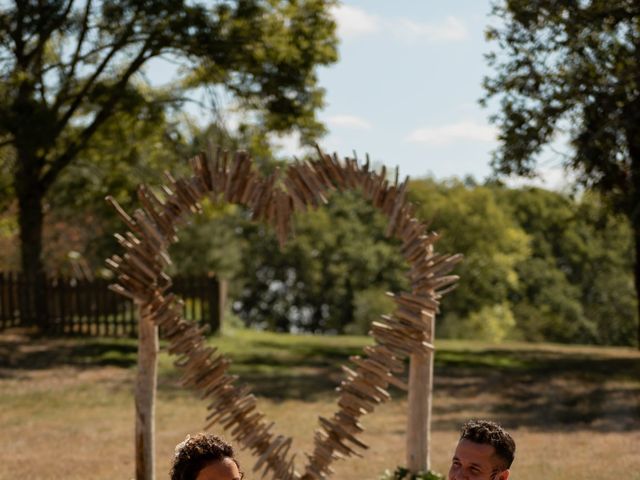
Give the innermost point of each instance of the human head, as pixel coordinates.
(484, 452)
(205, 457)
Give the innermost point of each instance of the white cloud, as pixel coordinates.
(451, 29)
(447, 134)
(349, 121)
(353, 21)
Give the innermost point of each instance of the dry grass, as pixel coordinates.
(66, 412)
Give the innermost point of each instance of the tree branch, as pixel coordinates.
(105, 112)
(83, 33)
(91, 81)
(62, 92)
(17, 33)
(45, 33)
(86, 55)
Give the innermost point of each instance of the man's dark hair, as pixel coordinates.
(490, 433)
(196, 452)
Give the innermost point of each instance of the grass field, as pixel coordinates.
(66, 405)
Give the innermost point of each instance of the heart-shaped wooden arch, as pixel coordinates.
(407, 331)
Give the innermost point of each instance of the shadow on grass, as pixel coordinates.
(300, 370)
(534, 388)
(30, 352)
(299, 360)
(540, 390)
(315, 344)
(541, 363)
(307, 386)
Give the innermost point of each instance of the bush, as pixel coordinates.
(402, 473)
(368, 305)
(492, 323)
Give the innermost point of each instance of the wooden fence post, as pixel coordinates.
(145, 396)
(419, 416)
(216, 290)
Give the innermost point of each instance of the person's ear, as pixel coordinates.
(504, 475)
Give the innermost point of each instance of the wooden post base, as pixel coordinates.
(145, 397)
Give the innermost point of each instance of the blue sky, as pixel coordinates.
(406, 89)
(407, 84)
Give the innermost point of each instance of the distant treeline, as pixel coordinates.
(539, 265)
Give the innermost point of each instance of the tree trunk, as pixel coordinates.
(635, 225)
(633, 203)
(30, 221)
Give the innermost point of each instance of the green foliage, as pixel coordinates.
(210, 243)
(539, 266)
(548, 306)
(471, 221)
(571, 67)
(492, 323)
(129, 150)
(572, 62)
(402, 473)
(368, 305)
(71, 71)
(338, 251)
(532, 256)
(576, 245)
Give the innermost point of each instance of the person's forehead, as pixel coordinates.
(472, 452)
(225, 469)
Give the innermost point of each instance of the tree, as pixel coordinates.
(571, 67)
(68, 67)
(577, 285)
(339, 253)
(472, 222)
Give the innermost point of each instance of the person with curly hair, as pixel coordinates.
(205, 457)
(485, 452)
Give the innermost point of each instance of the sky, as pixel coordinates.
(406, 87)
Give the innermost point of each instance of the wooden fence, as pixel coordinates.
(73, 306)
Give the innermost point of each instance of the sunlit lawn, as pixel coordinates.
(66, 408)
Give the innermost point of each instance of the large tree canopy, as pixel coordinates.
(571, 67)
(67, 67)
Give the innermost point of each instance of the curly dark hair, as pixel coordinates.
(196, 452)
(490, 433)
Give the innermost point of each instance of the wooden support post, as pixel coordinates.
(145, 396)
(419, 416)
(222, 302)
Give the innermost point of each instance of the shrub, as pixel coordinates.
(402, 473)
